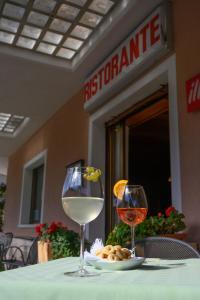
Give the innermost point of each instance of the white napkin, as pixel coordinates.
(98, 244)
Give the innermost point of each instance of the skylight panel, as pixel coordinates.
(59, 28)
(10, 123)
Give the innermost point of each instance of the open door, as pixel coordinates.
(138, 149)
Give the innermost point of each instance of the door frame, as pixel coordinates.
(164, 73)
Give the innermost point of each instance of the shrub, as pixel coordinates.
(170, 222)
(64, 242)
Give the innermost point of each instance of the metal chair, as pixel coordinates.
(5, 242)
(165, 248)
(6, 239)
(16, 258)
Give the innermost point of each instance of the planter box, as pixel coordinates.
(179, 235)
(44, 251)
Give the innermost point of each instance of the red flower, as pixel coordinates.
(159, 214)
(53, 227)
(169, 210)
(38, 228)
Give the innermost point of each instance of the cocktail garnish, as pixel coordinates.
(119, 187)
(92, 174)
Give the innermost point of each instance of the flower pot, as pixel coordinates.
(178, 235)
(44, 251)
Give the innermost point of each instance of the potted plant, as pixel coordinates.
(170, 224)
(56, 241)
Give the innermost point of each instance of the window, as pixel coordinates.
(33, 191)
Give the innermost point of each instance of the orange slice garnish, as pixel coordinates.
(119, 188)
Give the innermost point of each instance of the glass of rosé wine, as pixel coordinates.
(132, 208)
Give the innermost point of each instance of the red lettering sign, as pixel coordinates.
(193, 93)
(133, 51)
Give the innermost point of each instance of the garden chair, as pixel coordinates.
(5, 242)
(16, 257)
(165, 248)
(6, 238)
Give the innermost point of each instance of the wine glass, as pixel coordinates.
(132, 208)
(82, 201)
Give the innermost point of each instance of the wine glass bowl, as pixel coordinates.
(82, 201)
(132, 207)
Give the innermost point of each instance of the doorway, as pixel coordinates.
(138, 149)
(132, 95)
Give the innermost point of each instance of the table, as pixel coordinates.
(155, 280)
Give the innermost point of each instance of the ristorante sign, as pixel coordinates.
(145, 42)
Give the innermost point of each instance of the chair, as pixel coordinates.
(165, 248)
(6, 239)
(5, 242)
(16, 256)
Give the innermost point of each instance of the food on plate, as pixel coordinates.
(113, 253)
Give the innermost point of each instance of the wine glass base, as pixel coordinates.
(81, 273)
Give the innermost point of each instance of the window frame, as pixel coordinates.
(25, 204)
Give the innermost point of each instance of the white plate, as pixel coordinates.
(128, 264)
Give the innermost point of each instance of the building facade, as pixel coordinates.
(79, 130)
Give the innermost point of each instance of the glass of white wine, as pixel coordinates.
(82, 201)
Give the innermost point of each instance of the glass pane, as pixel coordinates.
(13, 11)
(78, 2)
(73, 43)
(46, 48)
(9, 123)
(20, 118)
(9, 25)
(25, 43)
(44, 5)
(7, 129)
(4, 116)
(68, 12)
(81, 32)
(65, 53)
(31, 31)
(60, 25)
(101, 6)
(6, 37)
(37, 18)
(53, 38)
(22, 2)
(90, 19)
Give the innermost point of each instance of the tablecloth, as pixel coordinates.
(153, 280)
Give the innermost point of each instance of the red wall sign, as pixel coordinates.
(193, 93)
(143, 44)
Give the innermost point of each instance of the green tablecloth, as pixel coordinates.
(155, 280)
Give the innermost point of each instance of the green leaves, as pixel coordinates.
(65, 243)
(121, 235)
(151, 226)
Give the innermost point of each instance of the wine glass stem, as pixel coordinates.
(133, 239)
(82, 237)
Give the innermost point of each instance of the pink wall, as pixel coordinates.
(187, 47)
(65, 138)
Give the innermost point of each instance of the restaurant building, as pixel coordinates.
(136, 116)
